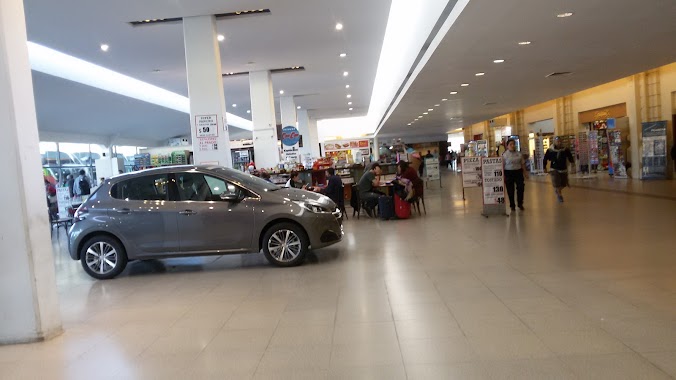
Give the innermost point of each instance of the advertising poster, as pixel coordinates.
(432, 169)
(290, 143)
(538, 155)
(582, 152)
(63, 201)
(206, 125)
(471, 171)
(482, 148)
(654, 150)
(616, 165)
(492, 173)
(341, 145)
(593, 141)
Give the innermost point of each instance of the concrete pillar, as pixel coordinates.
(287, 108)
(29, 305)
(266, 150)
(314, 138)
(304, 130)
(376, 148)
(209, 129)
(635, 120)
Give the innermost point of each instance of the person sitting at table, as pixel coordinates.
(295, 181)
(334, 186)
(404, 170)
(367, 192)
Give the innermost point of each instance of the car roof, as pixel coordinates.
(168, 169)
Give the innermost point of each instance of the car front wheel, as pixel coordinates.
(103, 257)
(285, 245)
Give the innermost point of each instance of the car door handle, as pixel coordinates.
(187, 212)
(123, 211)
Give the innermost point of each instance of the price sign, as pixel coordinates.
(432, 167)
(208, 143)
(471, 171)
(493, 176)
(206, 125)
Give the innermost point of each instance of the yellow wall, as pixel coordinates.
(538, 112)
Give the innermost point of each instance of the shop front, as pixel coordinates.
(607, 134)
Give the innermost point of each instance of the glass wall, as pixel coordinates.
(59, 160)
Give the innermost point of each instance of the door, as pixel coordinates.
(143, 214)
(213, 214)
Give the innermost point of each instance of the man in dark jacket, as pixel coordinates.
(334, 187)
(559, 156)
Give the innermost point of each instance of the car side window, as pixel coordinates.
(146, 188)
(200, 187)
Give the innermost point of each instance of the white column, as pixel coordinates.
(376, 149)
(314, 138)
(304, 130)
(29, 304)
(287, 108)
(209, 129)
(266, 149)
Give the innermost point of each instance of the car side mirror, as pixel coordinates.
(230, 197)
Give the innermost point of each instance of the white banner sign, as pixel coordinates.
(493, 176)
(206, 125)
(471, 171)
(432, 168)
(63, 201)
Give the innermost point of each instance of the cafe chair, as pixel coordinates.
(356, 202)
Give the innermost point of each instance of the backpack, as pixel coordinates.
(85, 188)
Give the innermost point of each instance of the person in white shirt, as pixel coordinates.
(515, 173)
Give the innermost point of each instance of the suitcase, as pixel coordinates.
(386, 208)
(401, 208)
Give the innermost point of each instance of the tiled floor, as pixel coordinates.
(585, 289)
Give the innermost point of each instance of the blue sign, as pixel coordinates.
(610, 123)
(290, 136)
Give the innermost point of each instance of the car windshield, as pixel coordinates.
(248, 179)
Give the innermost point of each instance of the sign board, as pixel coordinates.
(616, 165)
(340, 145)
(208, 143)
(654, 150)
(538, 155)
(471, 171)
(290, 144)
(206, 125)
(493, 179)
(63, 201)
(432, 168)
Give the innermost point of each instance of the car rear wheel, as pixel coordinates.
(285, 245)
(103, 257)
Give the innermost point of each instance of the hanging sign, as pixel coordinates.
(492, 173)
(471, 171)
(206, 125)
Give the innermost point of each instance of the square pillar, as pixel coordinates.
(266, 149)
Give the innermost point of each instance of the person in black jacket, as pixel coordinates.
(559, 156)
(334, 187)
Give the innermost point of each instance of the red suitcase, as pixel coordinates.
(402, 208)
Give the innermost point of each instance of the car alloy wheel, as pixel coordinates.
(284, 245)
(101, 258)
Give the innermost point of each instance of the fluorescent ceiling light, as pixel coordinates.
(351, 108)
(444, 99)
(480, 74)
(524, 43)
(564, 15)
(430, 109)
(220, 38)
(425, 113)
(52, 62)
(437, 105)
(499, 61)
(343, 55)
(464, 85)
(454, 92)
(105, 47)
(349, 96)
(349, 103)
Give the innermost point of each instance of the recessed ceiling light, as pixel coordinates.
(298, 107)
(425, 113)
(347, 86)
(524, 43)
(339, 26)
(437, 105)
(220, 38)
(105, 47)
(498, 61)
(349, 96)
(420, 117)
(234, 105)
(564, 15)
(430, 109)
(464, 85)
(409, 123)
(349, 103)
(281, 92)
(248, 111)
(343, 55)
(351, 108)
(454, 92)
(480, 74)
(444, 99)
(345, 73)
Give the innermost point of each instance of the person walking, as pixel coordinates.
(82, 185)
(515, 174)
(559, 156)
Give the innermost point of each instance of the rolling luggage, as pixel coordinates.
(401, 208)
(386, 208)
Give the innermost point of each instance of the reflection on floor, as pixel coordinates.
(584, 289)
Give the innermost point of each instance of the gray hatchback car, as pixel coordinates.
(195, 211)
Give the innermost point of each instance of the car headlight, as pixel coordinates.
(312, 207)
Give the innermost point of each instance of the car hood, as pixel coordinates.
(304, 195)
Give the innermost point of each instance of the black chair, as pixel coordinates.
(341, 202)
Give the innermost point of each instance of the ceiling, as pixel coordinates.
(603, 41)
(296, 33)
